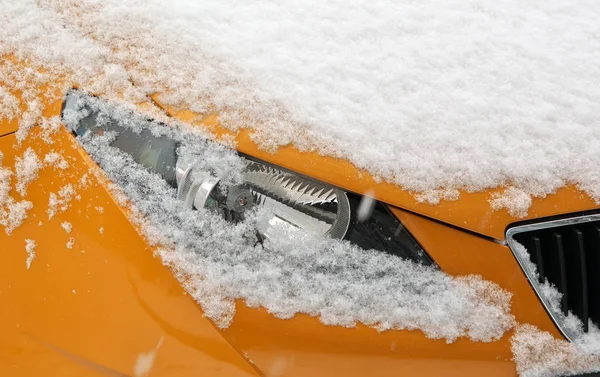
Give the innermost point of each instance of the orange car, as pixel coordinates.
(82, 292)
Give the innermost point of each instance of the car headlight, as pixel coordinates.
(295, 202)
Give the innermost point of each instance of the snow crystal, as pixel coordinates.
(26, 168)
(515, 200)
(57, 160)
(66, 226)
(84, 181)
(49, 127)
(427, 95)
(5, 177)
(30, 248)
(13, 214)
(539, 354)
(145, 361)
(28, 119)
(61, 201)
(366, 206)
(218, 262)
(9, 104)
(71, 243)
(436, 195)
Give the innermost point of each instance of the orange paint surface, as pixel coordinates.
(91, 310)
(98, 305)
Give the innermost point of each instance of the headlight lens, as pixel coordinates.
(295, 202)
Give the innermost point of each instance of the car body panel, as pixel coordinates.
(108, 299)
(105, 300)
(98, 310)
(297, 345)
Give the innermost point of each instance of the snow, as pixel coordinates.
(366, 206)
(540, 354)
(515, 200)
(56, 159)
(48, 127)
(9, 104)
(66, 226)
(30, 249)
(60, 202)
(5, 177)
(572, 325)
(436, 97)
(70, 243)
(12, 213)
(218, 262)
(26, 168)
(145, 361)
(462, 95)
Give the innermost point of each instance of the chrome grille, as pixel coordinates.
(566, 252)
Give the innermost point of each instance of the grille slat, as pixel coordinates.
(566, 253)
(584, 310)
(539, 258)
(562, 268)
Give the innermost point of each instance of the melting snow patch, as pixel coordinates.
(30, 249)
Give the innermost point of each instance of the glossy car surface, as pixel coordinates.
(94, 308)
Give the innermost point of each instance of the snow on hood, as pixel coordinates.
(456, 94)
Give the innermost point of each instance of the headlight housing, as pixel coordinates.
(296, 203)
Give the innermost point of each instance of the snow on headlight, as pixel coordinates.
(219, 261)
